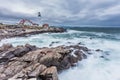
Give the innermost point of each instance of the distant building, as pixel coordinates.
(45, 25)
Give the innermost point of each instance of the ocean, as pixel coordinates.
(94, 67)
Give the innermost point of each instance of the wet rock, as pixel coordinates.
(73, 60)
(91, 38)
(84, 56)
(29, 62)
(64, 64)
(89, 53)
(20, 51)
(79, 43)
(31, 48)
(98, 50)
(79, 47)
(52, 43)
(107, 53)
(79, 54)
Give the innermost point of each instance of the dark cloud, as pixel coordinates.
(57, 12)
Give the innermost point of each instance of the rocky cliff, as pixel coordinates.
(29, 62)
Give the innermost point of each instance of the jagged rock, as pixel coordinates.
(78, 53)
(20, 51)
(12, 68)
(8, 52)
(31, 48)
(49, 74)
(27, 62)
(5, 47)
(51, 44)
(73, 60)
(32, 71)
(5, 55)
(32, 56)
(79, 47)
(98, 50)
(50, 59)
(64, 64)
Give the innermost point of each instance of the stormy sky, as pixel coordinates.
(62, 12)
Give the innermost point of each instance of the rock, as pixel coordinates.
(12, 68)
(73, 60)
(5, 47)
(32, 71)
(31, 48)
(91, 38)
(51, 44)
(8, 52)
(50, 59)
(20, 51)
(49, 74)
(64, 64)
(98, 50)
(38, 70)
(84, 56)
(79, 47)
(29, 62)
(32, 56)
(6, 56)
(79, 54)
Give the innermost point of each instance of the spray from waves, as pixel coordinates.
(98, 66)
(43, 40)
(95, 67)
(72, 36)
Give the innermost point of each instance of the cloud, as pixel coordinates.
(72, 12)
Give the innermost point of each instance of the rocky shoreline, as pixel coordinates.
(29, 62)
(8, 31)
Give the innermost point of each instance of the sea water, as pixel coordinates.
(102, 65)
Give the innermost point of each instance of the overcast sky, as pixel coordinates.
(63, 12)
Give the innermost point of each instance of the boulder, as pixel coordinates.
(78, 53)
(29, 62)
(32, 71)
(50, 59)
(99, 50)
(31, 47)
(73, 60)
(5, 47)
(12, 68)
(49, 74)
(32, 56)
(64, 64)
(20, 51)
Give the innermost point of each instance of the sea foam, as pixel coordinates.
(103, 65)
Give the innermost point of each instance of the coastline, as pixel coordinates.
(30, 62)
(58, 55)
(9, 31)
